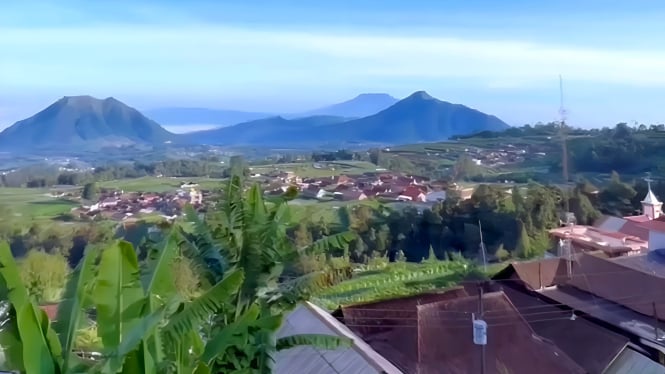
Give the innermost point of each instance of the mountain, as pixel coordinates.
(417, 118)
(360, 106)
(83, 121)
(195, 118)
(273, 131)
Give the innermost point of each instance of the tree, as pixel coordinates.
(89, 192)
(523, 248)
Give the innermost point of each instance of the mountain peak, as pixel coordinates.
(373, 95)
(422, 95)
(82, 120)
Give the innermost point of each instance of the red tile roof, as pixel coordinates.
(654, 225)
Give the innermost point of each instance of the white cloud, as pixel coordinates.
(235, 56)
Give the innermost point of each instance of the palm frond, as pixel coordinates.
(38, 347)
(194, 313)
(158, 279)
(228, 336)
(202, 247)
(70, 310)
(118, 294)
(337, 241)
(145, 327)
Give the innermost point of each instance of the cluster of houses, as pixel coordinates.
(121, 205)
(384, 186)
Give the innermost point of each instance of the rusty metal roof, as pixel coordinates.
(535, 274)
(512, 346)
(592, 346)
(436, 336)
(624, 285)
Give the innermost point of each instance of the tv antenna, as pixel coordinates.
(564, 145)
(483, 250)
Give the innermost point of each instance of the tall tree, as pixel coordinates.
(89, 191)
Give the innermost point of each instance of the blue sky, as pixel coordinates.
(502, 57)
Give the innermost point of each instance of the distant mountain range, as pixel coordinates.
(181, 119)
(86, 122)
(83, 121)
(417, 118)
(362, 105)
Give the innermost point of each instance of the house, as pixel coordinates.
(349, 195)
(307, 318)
(314, 192)
(652, 208)
(589, 238)
(435, 196)
(108, 202)
(412, 193)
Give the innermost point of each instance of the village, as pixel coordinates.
(119, 205)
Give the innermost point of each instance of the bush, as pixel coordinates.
(44, 275)
(502, 254)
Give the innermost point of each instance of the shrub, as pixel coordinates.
(502, 254)
(44, 275)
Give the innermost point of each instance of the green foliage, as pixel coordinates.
(44, 275)
(395, 280)
(524, 248)
(502, 254)
(32, 326)
(89, 192)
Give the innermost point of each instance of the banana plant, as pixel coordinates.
(129, 310)
(251, 235)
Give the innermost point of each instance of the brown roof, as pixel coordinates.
(399, 328)
(620, 281)
(512, 346)
(635, 289)
(592, 346)
(534, 274)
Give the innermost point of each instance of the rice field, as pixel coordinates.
(33, 203)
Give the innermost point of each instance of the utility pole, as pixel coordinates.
(480, 314)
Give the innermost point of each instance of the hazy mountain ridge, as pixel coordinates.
(182, 116)
(83, 121)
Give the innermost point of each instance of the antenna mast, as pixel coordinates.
(564, 146)
(483, 251)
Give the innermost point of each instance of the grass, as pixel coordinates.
(154, 184)
(328, 211)
(307, 170)
(395, 280)
(33, 203)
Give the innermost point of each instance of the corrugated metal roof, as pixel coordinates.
(307, 318)
(632, 362)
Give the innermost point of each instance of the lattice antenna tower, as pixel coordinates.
(564, 145)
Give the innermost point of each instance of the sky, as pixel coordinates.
(501, 57)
